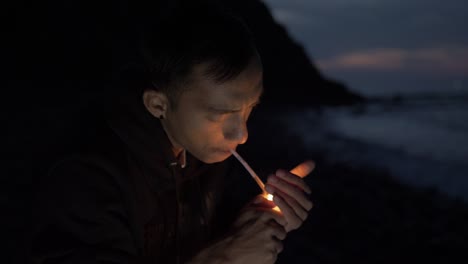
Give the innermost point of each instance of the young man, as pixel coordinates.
(149, 187)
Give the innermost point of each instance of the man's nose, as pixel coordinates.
(238, 132)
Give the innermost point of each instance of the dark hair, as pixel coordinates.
(191, 36)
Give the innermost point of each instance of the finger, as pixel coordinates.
(279, 185)
(274, 247)
(292, 179)
(270, 214)
(303, 169)
(267, 202)
(294, 221)
(258, 199)
(274, 254)
(261, 201)
(277, 230)
(279, 247)
(246, 215)
(298, 209)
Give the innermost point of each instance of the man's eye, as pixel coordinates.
(216, 116)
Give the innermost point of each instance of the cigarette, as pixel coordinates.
(254, 175)
(249, 169)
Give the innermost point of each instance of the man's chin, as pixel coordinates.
(216, 157)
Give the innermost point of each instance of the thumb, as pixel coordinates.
(303, 169)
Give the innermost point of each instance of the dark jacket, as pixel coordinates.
(123, 198)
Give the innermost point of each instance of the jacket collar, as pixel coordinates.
(147, 140)
(142, 133)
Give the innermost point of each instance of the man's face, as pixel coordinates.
(210, 118)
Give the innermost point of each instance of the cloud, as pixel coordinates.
(328, 27)
(438, 60)
(330, 3)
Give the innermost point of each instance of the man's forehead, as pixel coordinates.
(246, 88)
(231, 95)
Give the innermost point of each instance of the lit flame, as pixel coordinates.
(269, 197)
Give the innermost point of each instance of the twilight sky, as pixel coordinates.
(383, 47)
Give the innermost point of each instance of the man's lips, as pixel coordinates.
(225, 150)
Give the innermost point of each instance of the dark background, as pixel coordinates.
(61, 57)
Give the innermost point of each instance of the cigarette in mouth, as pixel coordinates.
(257, 179)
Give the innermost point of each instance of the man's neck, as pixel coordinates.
(177, 151)
(181, 158)
(176, 148)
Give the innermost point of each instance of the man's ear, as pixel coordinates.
(156, 103)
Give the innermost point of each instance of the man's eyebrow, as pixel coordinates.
(219, 109)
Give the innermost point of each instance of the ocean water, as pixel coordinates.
(423, 144)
